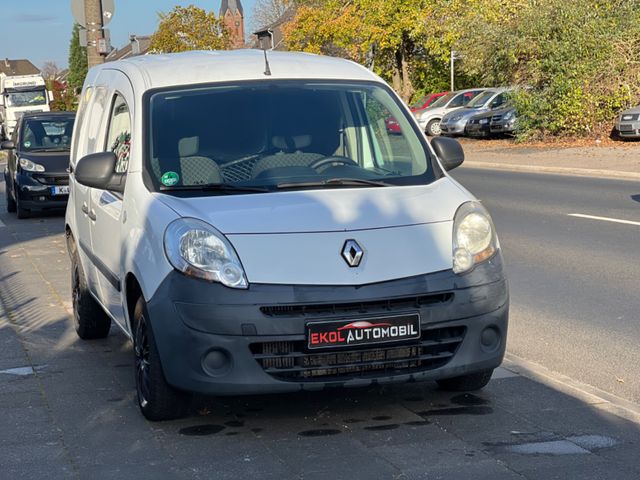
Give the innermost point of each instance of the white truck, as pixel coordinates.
(22, 89)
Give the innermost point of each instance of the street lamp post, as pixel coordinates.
(454, 57)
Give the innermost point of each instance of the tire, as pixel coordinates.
(89, 319)
(433, 128)
(466, 383)
(11, 203)
(21, 212)
(156, 398)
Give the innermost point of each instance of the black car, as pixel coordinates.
(37, 172)
(478, 125)
(504, 121)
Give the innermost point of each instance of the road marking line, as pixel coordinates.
(20, 371)
(604, 219)
(2, 224)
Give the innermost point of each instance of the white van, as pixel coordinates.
(254, 228)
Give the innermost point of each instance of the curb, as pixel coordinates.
(579, 172)
(593, 396)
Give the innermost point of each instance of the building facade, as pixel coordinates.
(233, 16)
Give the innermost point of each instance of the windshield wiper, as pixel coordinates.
(333, 182)
(213, 187)
(52, 149)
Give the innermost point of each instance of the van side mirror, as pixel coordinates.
(449, 151)
(7, 145)
(98, 170)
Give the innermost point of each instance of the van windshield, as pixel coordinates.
(285, 134)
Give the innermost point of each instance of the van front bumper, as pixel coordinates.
(221, 341)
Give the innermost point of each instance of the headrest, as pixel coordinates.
(292, 143)
(188, 146)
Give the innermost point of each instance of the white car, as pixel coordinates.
(429, 118)
(254, 228)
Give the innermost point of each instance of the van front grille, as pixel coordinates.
(291, 361)
(375, 306)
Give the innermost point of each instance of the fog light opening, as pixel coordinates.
(216, 362)
(490, 339)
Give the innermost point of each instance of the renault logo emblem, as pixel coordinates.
(352, 253)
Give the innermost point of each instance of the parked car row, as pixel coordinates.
(628, 123)
(479, 112)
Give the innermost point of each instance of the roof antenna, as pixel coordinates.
(267, 70)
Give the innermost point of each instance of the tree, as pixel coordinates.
(267, 12)
(407, 42)
(578, 61)
(189, 28)
(77, 60)
(50, 70)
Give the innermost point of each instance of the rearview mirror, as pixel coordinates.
(98, 170)
(449, 151)
(7, 145)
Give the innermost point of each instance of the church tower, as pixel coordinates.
(233, 17)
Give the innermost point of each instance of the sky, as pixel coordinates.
(40, 30)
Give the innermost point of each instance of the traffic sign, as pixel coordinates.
(77, 8)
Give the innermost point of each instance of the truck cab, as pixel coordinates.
(22, 90)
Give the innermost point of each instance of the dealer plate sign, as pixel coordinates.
(350, 333)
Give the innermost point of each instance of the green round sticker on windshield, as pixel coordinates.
(27, 144)
(170, 179)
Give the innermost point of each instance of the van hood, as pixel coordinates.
(327, 210)
(299, 238)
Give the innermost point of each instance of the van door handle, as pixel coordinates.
(91, 214)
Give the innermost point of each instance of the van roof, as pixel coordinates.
(196, 67)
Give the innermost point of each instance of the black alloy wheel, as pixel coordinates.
(142, 362)
(156, 398)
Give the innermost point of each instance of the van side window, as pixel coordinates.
(82, 109)
(119, 137)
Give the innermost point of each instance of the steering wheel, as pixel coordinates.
(321, 162)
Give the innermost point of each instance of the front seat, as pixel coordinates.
(194, 169)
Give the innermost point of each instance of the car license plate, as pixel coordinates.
(626, 128)
(63, 190)
(349, 333)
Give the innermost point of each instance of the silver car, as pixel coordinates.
(628, 123)
(453, 123)
(429, 118)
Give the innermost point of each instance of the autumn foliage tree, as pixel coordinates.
(189, 28)
(576, 61)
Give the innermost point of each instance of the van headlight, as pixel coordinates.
(30, 166)
(198, 250)
(474, 237)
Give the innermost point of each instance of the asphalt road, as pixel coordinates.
(575, 281)
(67, 407)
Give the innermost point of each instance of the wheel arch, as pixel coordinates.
(132, 292)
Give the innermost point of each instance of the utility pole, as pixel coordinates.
(95, 35)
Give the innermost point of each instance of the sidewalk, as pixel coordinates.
(597, 161)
